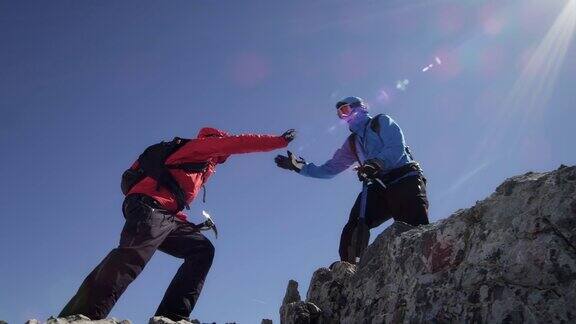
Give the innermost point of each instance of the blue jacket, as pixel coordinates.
(389, 146)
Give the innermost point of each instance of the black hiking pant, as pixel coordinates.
(148, 228)
(404, 200)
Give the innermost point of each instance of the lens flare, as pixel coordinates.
(402, 85)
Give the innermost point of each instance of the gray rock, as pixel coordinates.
(80, 319)
(292, 294)
(510, 258)
(164, 320)
(266, 321)
(300, 313)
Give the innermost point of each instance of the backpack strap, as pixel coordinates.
(375, 126)
(189, 167)
(375, 123)
(352, 143)
(152, 162)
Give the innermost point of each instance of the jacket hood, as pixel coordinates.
(211, 132)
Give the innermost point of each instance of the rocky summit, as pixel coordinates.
(511, 258)
(81, 319)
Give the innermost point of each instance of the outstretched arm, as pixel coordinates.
(212, 147)
(342, 159)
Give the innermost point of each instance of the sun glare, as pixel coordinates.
(534, 86)
(527, 100)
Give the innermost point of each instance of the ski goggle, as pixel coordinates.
(345, 109)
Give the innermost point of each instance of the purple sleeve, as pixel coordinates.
(343, 158)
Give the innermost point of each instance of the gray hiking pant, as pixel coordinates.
(148, 228)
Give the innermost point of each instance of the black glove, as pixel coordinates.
(367, 172)
(289, 135)
(290, 162)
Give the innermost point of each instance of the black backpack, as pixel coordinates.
(151, 163)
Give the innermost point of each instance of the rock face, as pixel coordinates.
(509, 259)
(294, 310)
(164, 320)
(81, 319)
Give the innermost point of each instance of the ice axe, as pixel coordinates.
(368, 174)
(208, 224)
(361, 233)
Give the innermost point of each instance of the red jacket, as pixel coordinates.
(213, 146)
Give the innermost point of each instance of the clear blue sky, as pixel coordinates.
(86, 85)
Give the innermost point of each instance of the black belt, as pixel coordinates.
(398, 173)
(152, 203)
(148, 201)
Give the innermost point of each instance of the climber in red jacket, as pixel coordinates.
(156, 192)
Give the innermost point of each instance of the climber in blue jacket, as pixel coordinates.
(393, 183)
